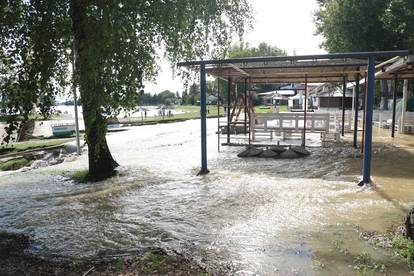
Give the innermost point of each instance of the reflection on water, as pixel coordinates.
(248, 215)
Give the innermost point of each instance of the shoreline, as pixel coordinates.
(15, 259)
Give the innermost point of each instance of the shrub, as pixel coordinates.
(15, 164)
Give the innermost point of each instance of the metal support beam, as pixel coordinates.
(356, 107)
(305, 110)
(403, 118)
(75, 101)
(203, 91)
(394, 105)
(343, 105)
(228, 109)
(218, 114)
(245, 106)
(357, 55)
(251, 110)
(353, 100)
(366, 178)
(364, 106)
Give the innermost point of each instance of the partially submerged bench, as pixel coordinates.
(286, 123)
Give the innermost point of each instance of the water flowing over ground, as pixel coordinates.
(265, 216)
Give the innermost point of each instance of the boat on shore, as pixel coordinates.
(63, 130)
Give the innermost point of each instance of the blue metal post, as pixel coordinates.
(203, 90)
(394, 105)
(368, 122)
(343, 105)
(228, 109)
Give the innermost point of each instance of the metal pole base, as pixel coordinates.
(362, 182)
(203, 172)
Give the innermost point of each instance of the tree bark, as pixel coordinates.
(101, 162)
(385, 94)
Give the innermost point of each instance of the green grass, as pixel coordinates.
(154, 261)
(80, 176)
(31, 145)
(15, 164)
(404, 247)
(264, 109)
(119, 265)
(34, 117)
(193, 112)
(365, 265)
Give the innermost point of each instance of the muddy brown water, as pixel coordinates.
(248, 216)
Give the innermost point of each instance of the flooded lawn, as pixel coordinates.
(298, 216)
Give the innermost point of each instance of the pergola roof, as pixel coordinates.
(314, 69)
(290, 71)
(402, 68)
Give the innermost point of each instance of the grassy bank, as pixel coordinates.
(213, 109)
(404, 248)
(15, 164)
(32, 145)
(15, 260)
(394, 241)
(193, 112)
(32, 117)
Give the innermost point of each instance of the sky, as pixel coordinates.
(287, 24)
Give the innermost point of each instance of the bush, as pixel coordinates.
(404, 247)
(80, 176)
(15, 164)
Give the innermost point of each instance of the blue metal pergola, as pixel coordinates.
(294, 69)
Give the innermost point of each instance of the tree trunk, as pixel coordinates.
(385, 94)
(101, 163)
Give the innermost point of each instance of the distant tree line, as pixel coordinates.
(191, 96)
(166, 97)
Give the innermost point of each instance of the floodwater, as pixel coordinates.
(67, 115)
(248, 216)
(152, 111)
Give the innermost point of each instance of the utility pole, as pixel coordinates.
(75, 101)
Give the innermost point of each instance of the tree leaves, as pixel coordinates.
(369, 25)
(121, 38)
(264, 49)
(33, 37)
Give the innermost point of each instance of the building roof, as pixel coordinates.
(335, 92)
(286, 92)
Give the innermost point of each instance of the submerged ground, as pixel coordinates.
(299, 216)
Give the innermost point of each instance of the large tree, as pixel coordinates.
(369, 25)
(115, 43)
